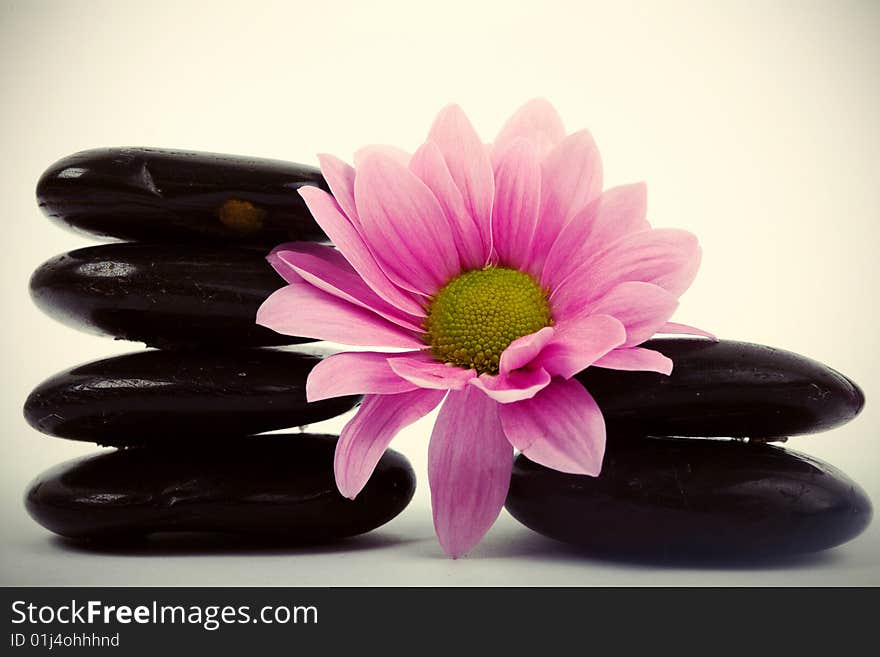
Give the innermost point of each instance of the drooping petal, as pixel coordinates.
(405, 227)
(351, 244)
(561, 428)
(340, 178)
(522, 351)
(328, 270)
(516, 386)
(517, 202)
(422, 370)
(675, 327)
(617, 212)
(365, 438)
(468, 163)
(469, 465)
(579, 343)
(537, 121)
(429, 165)
(306, 311)
(642, 308)
(635, 359)
(282, 268)
(571, 177)
(665, 257)
(355, 373)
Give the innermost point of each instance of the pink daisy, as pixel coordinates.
(501, 272)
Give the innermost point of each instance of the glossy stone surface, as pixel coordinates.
(162, 295)
(725, 388)
(680, 498)
(278, 485)
(163, 195)
(154, 397)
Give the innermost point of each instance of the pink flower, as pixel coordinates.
(503, 271)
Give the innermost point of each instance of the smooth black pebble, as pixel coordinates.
(725, 388)
(280, 485)
(684, 498)
(155, 397)
(163, 195)
(163, 295)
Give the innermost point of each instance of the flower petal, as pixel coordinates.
(429, 165)
(348, 240)
(306, 311)
(281, 267)
(340, 178)
(674, 327)
(365, 438)
(516, 386)
(636, 359)
(328, 270)
(468, 162)
(536, 121)
(517, 201)
(469, 465)
(642, 308)
(617, 212)
(561, 428)
(405, 226)
(422, 370)
(578, 344)
(522, 351)
(354, 373)
(397, 154)
(665, 257)
(571, 177)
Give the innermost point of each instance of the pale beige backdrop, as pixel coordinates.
(755, 125)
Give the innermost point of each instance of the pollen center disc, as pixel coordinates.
(475, 316)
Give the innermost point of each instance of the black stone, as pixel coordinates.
(682, 498)
(163, 295)
(725, 388)
(162, 195)
(278, 485)
(154, 397)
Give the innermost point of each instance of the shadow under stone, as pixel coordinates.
(548, 549)
(204, 544)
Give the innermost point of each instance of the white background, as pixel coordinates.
(755, 125)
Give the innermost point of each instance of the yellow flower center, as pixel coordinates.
(475, 316)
